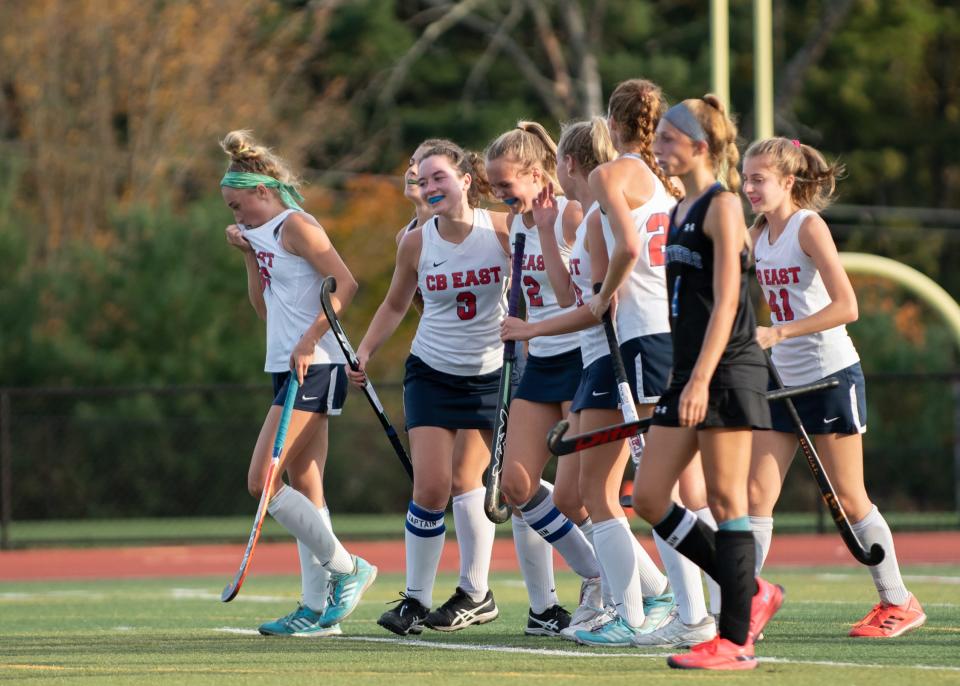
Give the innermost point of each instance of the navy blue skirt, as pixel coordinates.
(435, 398)
(552, 379)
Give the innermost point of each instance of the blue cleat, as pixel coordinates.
(346, 591)
(301, 622)
(656, 610)
(614, 633)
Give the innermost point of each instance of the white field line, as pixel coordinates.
(416, 643)
(201, 594)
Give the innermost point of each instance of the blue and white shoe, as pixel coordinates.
(301, 622)
(656, 610)
(614, 633)
(346, 591)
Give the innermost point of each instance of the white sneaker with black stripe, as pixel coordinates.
(461, 611)
(550, 622)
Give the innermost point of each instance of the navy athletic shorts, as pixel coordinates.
(324, 389)
(840, 410)
(646, 360)
(552, 379)
(435, 398)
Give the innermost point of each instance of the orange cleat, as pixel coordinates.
(717, 653)
(888, 621)
(766, 602)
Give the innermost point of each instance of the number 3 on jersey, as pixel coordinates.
(466, 305)
(657, 226)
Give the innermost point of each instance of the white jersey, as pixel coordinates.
(793, 289)
(593, 341)
(539, 293)
(291, 292)
(463, 304)
(642, 299)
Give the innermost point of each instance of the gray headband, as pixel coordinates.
(681, 117)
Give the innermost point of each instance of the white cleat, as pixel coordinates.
(594, 619)
(673, 633)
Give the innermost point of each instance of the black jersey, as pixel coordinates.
(689, 256)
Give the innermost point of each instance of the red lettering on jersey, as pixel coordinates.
(436, 282)
(484, 276)
(575, 266)
(457, 279)
(795, 271)
(496, 274)
(265, 258)
(471, 278)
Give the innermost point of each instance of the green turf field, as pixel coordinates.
(176, 631)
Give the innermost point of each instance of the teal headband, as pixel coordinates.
(288, 194)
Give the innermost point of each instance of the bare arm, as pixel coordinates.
(395, 304)
(724, 225)
(303, 236)
(816, 241)
(545, 214)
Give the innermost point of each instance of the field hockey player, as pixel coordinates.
(287, 255)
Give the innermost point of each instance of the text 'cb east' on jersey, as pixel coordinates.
(642, 299)
(291, 292)
(793, 289)
(463, 304)
(536, 288)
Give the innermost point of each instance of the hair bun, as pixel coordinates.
(239, 144)
(714, 102)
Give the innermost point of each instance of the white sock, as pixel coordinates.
(652, 580)
(423, 537)
(762, 538)
(475, 539)
(313, 577)
(586, 526)
(301, 518)
(706, 516)
(544, 518)
(886, 575)
(615, 550)
(535, 556)
(685, 582)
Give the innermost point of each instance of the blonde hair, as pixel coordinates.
(587, 142)
(815, 180)
(529, 145)
(721, 138)
(246, 155)
(636, 105)
(465, 162)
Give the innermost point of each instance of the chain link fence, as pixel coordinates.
(110, 453)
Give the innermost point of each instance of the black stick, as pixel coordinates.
(330, 286)
(496, 511)
(564, 445)
(876, 553)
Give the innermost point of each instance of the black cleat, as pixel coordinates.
(550, 622)
(461, 611)
(406, 618)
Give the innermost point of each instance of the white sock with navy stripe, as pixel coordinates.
(535, 556)
(544, 518)
(300, 517)
(313, 577)
(617, 557)
(706, 516)
(423, 537)
(886, 576)
(685, 582)
(586, 526)
(475, 539)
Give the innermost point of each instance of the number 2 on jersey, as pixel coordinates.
(782, 310)
(657, 225)
(533, 291)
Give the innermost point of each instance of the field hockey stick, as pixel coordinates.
(231, 589)
(876, 553)
(560, 444)
(496, 511)
(329, 286)
(627, 407)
